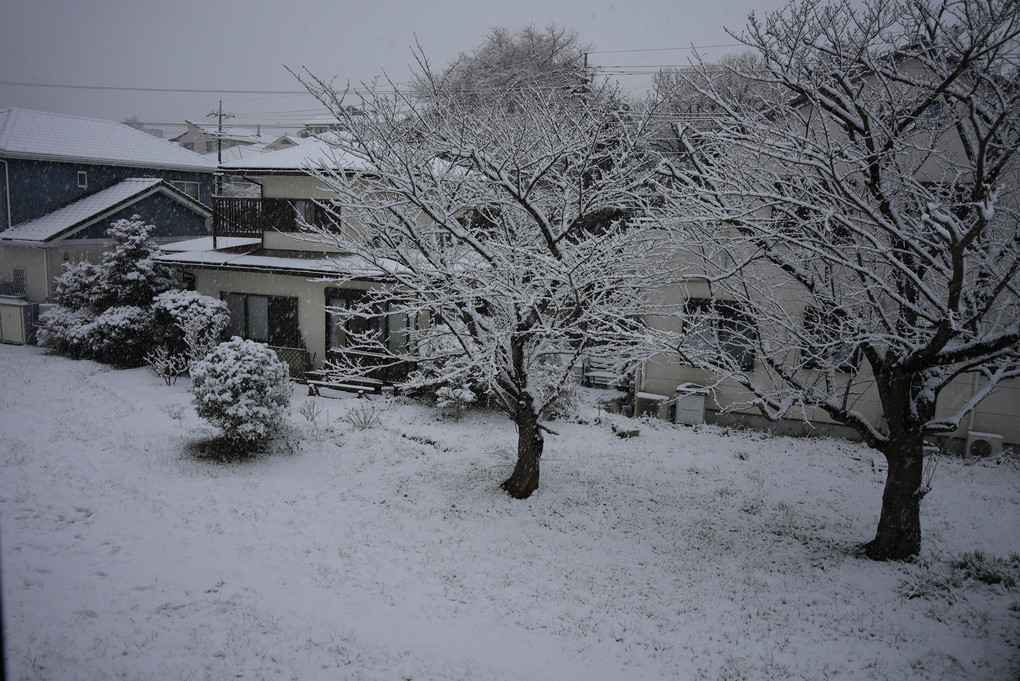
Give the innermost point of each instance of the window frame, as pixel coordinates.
(189, 188)
(348, 298)
(823, 328)
(281, 318)
(727, 324)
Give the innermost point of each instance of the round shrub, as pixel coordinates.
(188, 322)
(242, 388)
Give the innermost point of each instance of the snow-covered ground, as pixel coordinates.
(390, 553)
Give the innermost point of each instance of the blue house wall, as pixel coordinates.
(170, 218)
(33, 188)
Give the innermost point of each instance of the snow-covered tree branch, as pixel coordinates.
(867, 221)
(499, 228)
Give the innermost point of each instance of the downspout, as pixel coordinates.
(46, 271)
(973, 391)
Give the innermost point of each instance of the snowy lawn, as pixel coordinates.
(390, 553)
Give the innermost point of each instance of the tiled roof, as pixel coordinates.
(59, 137)
(87, 210)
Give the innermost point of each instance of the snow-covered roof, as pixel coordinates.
(205, 243)
(58, 137)
(309, 152)
(241, 151)
(248, 135)
(93, 208)
(348, 265)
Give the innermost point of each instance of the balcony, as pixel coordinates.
(251, 217)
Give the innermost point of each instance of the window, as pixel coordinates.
(312, 213)
(189, 188)
(340, 326)
(825, 347)
(83, 180)
(20, 278)
(267, 319)
(210, 146)
(724, 327)
(190, 146)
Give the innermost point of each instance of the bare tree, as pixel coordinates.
(865, 224)
(500, 233)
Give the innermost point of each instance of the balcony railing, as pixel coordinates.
(251, 217)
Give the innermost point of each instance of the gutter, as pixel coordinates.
(118, 163)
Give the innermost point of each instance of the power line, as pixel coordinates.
(154, 89)
(669, 49)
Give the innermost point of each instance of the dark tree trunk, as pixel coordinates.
(524, 480)
(899, 527)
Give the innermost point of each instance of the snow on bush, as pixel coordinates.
(242, 388)
(120, 336)
(187, 325)
(61, 328)
(103, 309)
(453, 401)
(177, 309)
(76, 286)
(129, 274)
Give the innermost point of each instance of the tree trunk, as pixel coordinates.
(524, 480)
(899, 527)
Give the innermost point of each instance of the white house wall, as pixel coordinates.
(293, 187)
(42, 264)
(310, 296)
(999, 413)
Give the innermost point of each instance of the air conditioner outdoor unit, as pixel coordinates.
(983, 444)
(689, 406)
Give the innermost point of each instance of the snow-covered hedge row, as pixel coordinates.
(123, 309)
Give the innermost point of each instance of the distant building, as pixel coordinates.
(209, 140)
(133, 122)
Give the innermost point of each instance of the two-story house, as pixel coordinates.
(850, 200)
(64, 179)
(277, 278)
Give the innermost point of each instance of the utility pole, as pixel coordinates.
(219, 161)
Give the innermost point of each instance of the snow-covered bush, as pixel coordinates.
(121, 336)
(61, 328)
(129, 275)
(187, 325)
(242, 388)
(77, 285)
(453, 401)
(102, 311)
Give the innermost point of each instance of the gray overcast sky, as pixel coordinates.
(243, 45)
